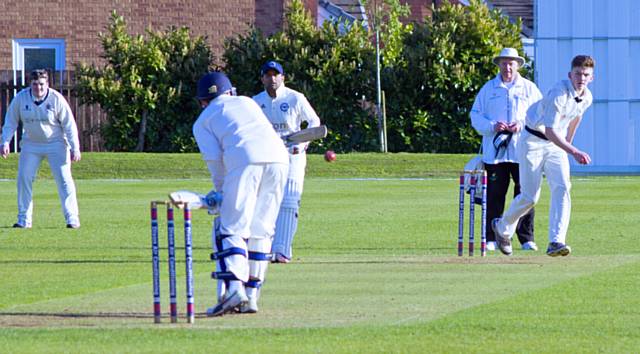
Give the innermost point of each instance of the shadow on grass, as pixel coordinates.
(88, 314)
(92, 261)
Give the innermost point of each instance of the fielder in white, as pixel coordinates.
(248, 165)
(287, 110)
(550, 128)
(49, 132)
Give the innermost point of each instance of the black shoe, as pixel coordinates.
(20, 226)
(73, 226)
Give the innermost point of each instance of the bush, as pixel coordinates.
(447, 59)
(146, 87)
(332, 69)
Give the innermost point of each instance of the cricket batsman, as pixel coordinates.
(287, 110)
(248, 165)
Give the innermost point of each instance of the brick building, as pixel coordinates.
(34, 33)
(38, 34)
(66, 32)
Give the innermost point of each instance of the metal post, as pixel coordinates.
(379, 92)
(461, 216)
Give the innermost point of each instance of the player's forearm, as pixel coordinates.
(559, 141)
(10, 125)
(480, 121)
(216, 168)
(573, 126)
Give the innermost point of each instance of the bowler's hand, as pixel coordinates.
(75, 157)
(581, 157)
(5, 150)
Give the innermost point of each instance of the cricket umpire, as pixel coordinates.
(498, 114)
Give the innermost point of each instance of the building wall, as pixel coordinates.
(79, 22)
(607, 30)
(269, 15)
(419, 9)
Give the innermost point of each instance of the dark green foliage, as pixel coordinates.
(447, 60)
(430, 80)
(146, 87)
(431, 73)
(332, 69)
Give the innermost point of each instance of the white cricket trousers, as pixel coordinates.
(538, 157)
(58, 156)
(250, 204)
(287, 221)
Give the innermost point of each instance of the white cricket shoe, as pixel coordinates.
(237, 299)
(491, 246)
(250, 306)
(503, 243)
(529, 246)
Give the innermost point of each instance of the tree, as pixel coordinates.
(447, 59)
(333, 69)
(147, 87)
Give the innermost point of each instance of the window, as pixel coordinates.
(32, 53)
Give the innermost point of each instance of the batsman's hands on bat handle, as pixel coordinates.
(194, 200)
(5, 150)
(295, 149)
(581, 157)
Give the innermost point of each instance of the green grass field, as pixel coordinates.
(375, 268)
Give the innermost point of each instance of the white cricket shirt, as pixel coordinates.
(497, 102)
(50, 121)
(287, 110)
(233, 129)
(558, 108)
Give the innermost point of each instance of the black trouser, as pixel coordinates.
(499, 176)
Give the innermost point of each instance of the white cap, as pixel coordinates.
(510, 53)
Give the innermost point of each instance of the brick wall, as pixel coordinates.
(79, 22)
(270, 14)
(419, 9)
(422, 8)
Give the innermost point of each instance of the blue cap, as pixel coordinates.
(212, 85)
(271, 65)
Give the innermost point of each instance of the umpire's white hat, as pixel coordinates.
(510, 53)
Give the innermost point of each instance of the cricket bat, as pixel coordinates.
(306, 135)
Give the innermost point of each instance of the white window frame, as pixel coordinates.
(19, 45)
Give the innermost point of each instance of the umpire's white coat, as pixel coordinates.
(49, 132)
(496, 102)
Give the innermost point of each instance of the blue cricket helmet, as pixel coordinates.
(212, 85)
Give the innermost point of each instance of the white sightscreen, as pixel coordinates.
(610, 32)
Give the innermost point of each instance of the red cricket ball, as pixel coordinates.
(330, 156)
